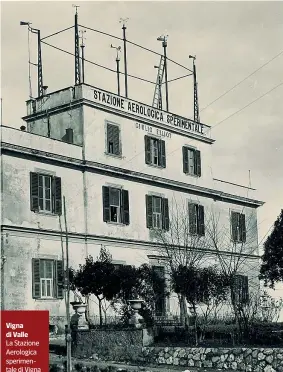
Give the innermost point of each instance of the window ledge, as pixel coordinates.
(116, 223)
(46, 213)
(114, 155)
(47, 299)
(192, 175)
(155, 166)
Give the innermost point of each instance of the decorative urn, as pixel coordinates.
(78, 319)
(136, 320)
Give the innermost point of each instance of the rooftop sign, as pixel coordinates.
(144, 111)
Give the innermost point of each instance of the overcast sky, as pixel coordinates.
(230, 39)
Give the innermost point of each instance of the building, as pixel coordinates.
(118, 164)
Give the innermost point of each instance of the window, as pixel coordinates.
(47, 278)
(115, 205)
(240, 294)
(155, 151)
(191, 161)
(159, 291)
(196, 219)
(45, 193)
(113, 139)
(157, 212)
(238, 227)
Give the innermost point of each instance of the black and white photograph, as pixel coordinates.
(141, 186)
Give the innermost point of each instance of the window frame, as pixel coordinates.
(107, 152)
(160, 147)
(124, 208)
(55, 193)
(164, 216)
(199, 218)
(197, 164)
(241, 228)
(40, 278)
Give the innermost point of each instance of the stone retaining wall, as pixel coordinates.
(237, 359)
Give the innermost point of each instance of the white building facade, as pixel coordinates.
(119, 165)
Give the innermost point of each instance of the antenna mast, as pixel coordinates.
(83, 54)
(196, 105)
(118, 49)
(77, 49)
(164, 44)
(125, 54)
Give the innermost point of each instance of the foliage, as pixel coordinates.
(131, 283)
(272, 260)
(118, 285)
(200, 285)
(96, 278)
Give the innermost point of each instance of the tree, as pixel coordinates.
(200, 286)
(272, 260)
(131, 283)
(196, 235)
(95, 278)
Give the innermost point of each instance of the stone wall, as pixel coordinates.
(237, 359)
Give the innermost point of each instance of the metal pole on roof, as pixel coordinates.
(125, 55)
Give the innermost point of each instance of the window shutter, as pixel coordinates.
(201, 230)
(113, 135)
(148, 203)
(160, 298)
(106, 203)
(147, 149)
(57, 195)
(243, 228)
(162, 153)
(235, 289)
(34, 199)
(245, 289)
(197, 163)
(192, 219)
(234, 223)
(185, 160)
(59, 279)
(165, 214)
(125, 207)
(36, 278)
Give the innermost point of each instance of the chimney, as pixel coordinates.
(33, 103)
(45, 87)
(69, 135)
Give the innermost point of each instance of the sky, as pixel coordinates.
(231, 41)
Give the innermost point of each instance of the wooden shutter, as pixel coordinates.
(242, 228)
(165, 214)
(148, 203)
(185, 160)
(125, 207)
(234, 225)
(57, 195)
(162, 153)
(147, 149)
(192, 219)
(160, 298)
(245, 289)
(106, 203)
(197, 163)
(113, 135)
(34, 199)
(201, 230)
(36, 278)
(59, 279)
